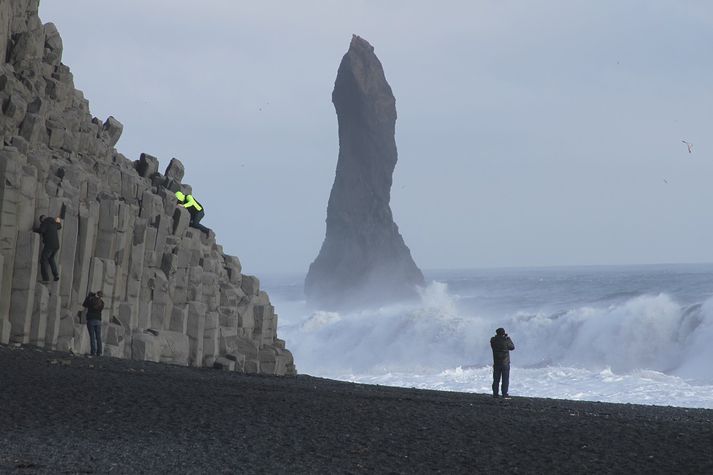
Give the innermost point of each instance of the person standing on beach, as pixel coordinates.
(502, 345)
(50, 245)
(94, 305)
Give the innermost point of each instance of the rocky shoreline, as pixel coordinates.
(171, 292)
(73, 414)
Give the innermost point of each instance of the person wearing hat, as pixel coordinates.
(94, 305)
(194, 208)
(502, 345)
(50, 245)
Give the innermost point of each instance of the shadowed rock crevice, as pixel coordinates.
(363, 260)
(171, 293)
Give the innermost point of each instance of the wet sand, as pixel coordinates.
(72, 414)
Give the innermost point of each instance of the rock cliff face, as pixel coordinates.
(363, 259)
(170, 292)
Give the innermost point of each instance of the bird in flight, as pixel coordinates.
(665, 181)
(689, 145)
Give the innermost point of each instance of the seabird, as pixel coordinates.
(689, 145)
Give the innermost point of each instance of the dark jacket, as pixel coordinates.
(94, 306)
(501, 345)
(48, 229)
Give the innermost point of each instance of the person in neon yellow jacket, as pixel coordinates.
(194, 208)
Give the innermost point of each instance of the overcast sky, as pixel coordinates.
(529, 132)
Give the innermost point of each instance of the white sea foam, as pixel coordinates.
(648, 349)
(637, 387)
(319, 320)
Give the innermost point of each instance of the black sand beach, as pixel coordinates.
(68, 414)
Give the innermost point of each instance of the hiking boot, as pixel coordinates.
(495, 396)
(506, 396)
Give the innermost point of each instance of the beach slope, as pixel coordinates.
(72, 414)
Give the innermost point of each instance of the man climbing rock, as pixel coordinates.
(501, 345)
(194, 208)
(50, 245)
(94, 305)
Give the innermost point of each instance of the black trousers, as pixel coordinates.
(196, 221)
(501, 371)
(47, 257)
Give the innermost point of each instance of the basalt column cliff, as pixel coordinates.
(170, 292)
(363, 259)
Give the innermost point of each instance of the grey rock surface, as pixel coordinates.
(175, 170)
(363, 259)
(170, 292)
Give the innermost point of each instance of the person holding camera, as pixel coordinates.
(94, 305)
(502, 345)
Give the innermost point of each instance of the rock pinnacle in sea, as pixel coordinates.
(363, 260)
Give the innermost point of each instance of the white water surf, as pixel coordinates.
(634, 346)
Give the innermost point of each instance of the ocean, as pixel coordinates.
(626, 334)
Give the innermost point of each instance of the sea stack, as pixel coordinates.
(363, 260)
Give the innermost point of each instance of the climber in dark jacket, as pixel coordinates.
(194, 208)
(501, 345)
(94, 305)
(50, 245)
